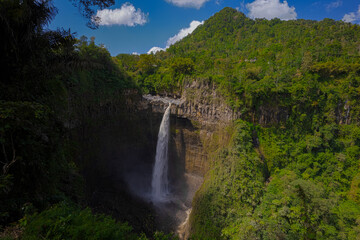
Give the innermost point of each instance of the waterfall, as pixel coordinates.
(160, 182)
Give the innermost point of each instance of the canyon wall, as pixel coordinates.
(199, 116)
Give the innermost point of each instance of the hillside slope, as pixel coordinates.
(292, 169)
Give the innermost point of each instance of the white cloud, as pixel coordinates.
(127, 15)
(188, 3)
(155, 50)
(270, 9)
(182, 33)
(334, 5)
(353, 16)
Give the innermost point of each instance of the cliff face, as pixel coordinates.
(204, 104)
(199, 126)
(187, 147)
(199, 102)
(196, 116)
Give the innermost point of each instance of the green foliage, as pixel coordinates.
(128, 62)
(311, 193)
(51, 81)
(163, 236)
(67, 221)
(295, 65)
(296, 175)
(182, 66)
(233, 187)
(294, 208)
(147, 63)
(32, 163)
(97, 83)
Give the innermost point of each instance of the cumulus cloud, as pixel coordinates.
(188, 3)
(182, 33)
(334, 5)
(127, 15)
(270, 9)
(155, 50)
(353, 16)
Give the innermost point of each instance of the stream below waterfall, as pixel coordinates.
(173, 214)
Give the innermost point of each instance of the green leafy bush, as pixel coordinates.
(67, 221)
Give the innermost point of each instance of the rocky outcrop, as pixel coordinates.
(199, 101)
(197, 113)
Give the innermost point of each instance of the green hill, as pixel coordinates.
(253, 61)
(292, 169)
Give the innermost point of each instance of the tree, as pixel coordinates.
(182, 66)
(85, 7)
(35, 64)
(147, 63)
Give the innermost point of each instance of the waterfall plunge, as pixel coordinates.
(160, 182)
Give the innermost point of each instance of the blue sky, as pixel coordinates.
(139, 25)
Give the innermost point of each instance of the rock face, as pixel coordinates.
(187, 148)
(199, 102)
(204, 104)
(195, 118)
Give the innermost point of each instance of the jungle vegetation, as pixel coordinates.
(51, 79)
(291, 170)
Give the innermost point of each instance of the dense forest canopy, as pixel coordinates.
(252, 59)
(291, 170)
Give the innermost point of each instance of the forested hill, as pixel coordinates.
(292, 169)
(254, 61)
(230, 34)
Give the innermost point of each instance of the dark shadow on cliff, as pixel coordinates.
(115, 153)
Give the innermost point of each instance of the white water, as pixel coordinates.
(152, 98)
(160, 181)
